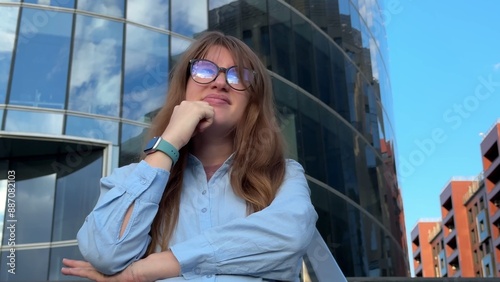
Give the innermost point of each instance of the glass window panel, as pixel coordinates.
(4, 183)
(56, 256)
(304, 53)
(344, 7)
(214, 4)
(113, 8)
(324, 74)
(312, 138)
(146, 73)
(335, 150)
(286, 103)
(76, 196)
(151, 12)
(59, 3)
(178, 46)
(25, 121)
(92, 128)
(132, 143)
(189, 19)
(34, 198)
(7, 36)
(31, 265)
(42, 55)
(96, 68)
(1, 118)
(227, 18)
(282, 47)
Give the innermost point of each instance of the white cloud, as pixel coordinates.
(151, 12)
(24, 121)
(95, 80)
(7, 28)
(101, 7)
(188, 17)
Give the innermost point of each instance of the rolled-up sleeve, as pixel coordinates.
(267, 244)
(99, 238)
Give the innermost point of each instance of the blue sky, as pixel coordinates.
(445, 76)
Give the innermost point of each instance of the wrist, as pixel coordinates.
(157, 266)
(178, 144)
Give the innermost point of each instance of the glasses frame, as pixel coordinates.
(219, 70)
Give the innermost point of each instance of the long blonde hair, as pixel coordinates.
(258, 167)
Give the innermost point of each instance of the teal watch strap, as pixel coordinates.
(168, 149)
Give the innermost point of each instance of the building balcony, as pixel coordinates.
(496, 243)
(452, 235)
(494, 195)
(418, 271)
(453, 256)
(492, 167)
(416, 253)
(458, 273)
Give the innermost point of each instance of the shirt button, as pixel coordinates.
(204, 192)
(143, 181)
(204, 210)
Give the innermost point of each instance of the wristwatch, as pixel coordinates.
(158, 144)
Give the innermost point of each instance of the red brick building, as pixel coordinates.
(465, 242)
(423, 258)
(491, 168)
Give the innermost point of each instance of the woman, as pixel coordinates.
(214, 199)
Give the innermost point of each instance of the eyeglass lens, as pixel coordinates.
(204, 71)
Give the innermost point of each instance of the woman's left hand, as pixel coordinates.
(86, 270)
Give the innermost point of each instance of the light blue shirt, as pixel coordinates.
(215, 239)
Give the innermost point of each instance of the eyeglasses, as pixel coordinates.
(205, 71)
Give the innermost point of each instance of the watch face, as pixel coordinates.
(151, 144)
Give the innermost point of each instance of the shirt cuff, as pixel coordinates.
(196, 257)
(151, 180)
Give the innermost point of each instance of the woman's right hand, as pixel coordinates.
(188, 118)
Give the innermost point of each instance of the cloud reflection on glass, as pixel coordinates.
(7, 36)
(146, 73)
(59, 3)
(92, 128)
(34, 122)
(41, 64)
(151, 12)
(113, 8)
(96, 69)
(189, 19)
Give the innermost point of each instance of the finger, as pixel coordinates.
(76, 263)
(91, 274)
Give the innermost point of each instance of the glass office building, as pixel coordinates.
(80, 81)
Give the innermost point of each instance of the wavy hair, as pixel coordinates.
(258, 167)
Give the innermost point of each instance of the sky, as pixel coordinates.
(444, 66)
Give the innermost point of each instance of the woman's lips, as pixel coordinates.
(216, 100)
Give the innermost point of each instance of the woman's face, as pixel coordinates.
(229, 104)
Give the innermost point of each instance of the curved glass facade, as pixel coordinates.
(81, 80)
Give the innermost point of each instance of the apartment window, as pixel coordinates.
(487, 246)
(475, 209)
(473, 236)
(476, 260)
(481, 226)
(471, 218)
(481, 203)
(436, 271)
(487, 270)
(441, 263)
